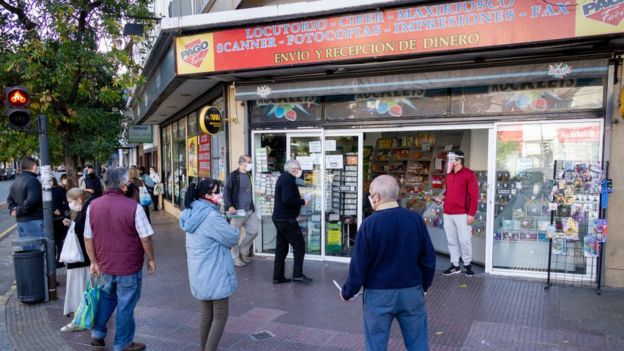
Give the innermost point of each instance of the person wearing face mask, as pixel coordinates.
(156, 179)
(238, 200)
(77, 273)
(287, 205)
(394, 260)
(212, 276)
(118, 236)
(60, 210)
(461, 199)
(134, 188)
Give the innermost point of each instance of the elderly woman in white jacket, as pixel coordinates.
(212, 276)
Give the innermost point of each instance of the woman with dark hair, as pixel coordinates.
(60, 210)
(212, 277)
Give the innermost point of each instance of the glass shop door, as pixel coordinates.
(343, 194)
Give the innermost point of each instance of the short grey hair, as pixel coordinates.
(290, 164)
(115, 177)
(243, 159)
(386, 186)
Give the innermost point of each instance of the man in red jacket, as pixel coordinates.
(460, 206)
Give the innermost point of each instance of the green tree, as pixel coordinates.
(74, 60)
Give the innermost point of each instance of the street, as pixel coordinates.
(4, 189)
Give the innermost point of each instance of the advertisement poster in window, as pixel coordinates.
(203, 156)
(191, 149)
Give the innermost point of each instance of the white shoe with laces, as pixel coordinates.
(71, 327)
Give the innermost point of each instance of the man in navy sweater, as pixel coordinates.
(287, 206)
(394, 260)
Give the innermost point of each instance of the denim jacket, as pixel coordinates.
(209, 238)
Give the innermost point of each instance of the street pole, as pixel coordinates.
(46, 185)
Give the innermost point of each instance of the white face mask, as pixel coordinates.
(74, 206)
(372, 203)
(248, 167)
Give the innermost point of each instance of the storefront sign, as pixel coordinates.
(210, 120)
(191, 149)
(140, 134)
(578, 135)
(203, 156)
(401, 31)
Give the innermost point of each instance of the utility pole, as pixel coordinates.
(46, 185)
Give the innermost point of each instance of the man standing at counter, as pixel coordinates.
(460, 206)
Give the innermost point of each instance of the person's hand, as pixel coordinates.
(231, 209)
(66, 222)
(151, 266)
(306, 202)
(471, 219)
(13, 213)
(90, 191)
(437, 199)
(57, 212)
(95, 269)
(342, 298)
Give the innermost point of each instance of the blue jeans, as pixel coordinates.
(122, 292)
(407, 305)
(31, 228)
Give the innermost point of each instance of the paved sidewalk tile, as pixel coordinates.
(478, 313)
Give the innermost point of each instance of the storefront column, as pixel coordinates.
(238, 135)
(614, 268)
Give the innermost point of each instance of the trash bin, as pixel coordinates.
(30, 274)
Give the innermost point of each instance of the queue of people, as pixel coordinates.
(393, 258)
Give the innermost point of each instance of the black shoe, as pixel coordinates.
(468, 271)
(302, 279)
(98, 342)
(281, 280)
(452, 270)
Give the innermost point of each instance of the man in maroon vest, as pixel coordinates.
(117, 236)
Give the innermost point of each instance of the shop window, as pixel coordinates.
(286, 110)
(525, 186)
(531, 97)
(166, 173)
(218, 147)
(179, 162)
(398, 104)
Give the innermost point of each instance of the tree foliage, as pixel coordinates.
(72, 57)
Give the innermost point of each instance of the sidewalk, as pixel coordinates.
(478, 313)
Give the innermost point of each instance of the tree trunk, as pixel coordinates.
(70, 164)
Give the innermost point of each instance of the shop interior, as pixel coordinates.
(527, 176)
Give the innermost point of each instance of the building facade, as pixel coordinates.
(528, 90)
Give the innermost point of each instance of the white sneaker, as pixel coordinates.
(239, 263)
(71, 327)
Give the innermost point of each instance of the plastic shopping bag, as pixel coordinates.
(159, 189)
(144, 197)
(71, 252)
(84, 317)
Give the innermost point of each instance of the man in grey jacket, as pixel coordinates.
(25, 202)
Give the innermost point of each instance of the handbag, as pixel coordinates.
(144, 197)
(71, 251)
(159, 189)
(84, 317)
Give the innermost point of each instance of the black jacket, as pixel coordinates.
(59, 202)
(25, 197)
(232, 186)
(288, 201)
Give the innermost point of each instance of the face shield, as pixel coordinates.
(451, 158)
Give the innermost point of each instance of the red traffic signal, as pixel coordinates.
(17, 97)
(17, 102)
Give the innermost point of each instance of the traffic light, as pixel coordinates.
(17, 107)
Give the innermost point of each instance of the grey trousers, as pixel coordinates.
(212, 317)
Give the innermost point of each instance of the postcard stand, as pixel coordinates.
(578, 226)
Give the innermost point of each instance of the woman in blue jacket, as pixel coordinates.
(212, 276)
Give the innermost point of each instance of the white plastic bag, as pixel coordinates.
(71, 252)
(144, 197)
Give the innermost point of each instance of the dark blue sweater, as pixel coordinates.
(392, 251)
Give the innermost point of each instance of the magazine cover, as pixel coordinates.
(590, 246)
(600, 229)
(558, 246)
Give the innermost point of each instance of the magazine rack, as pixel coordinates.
(578, 225)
